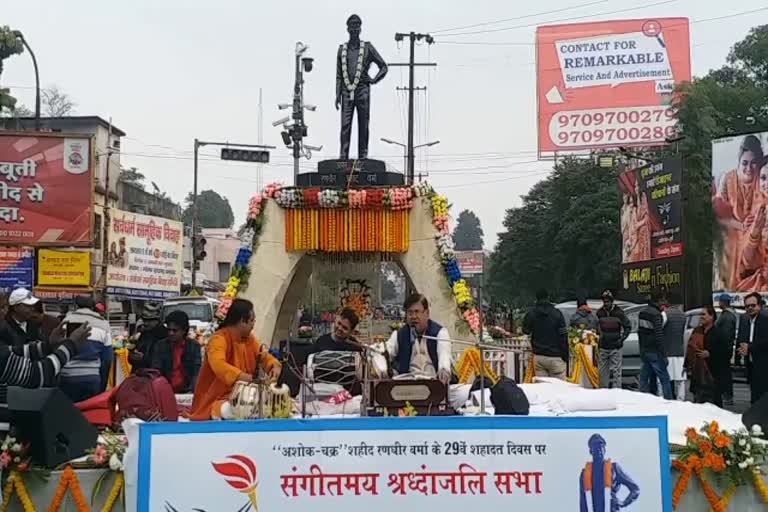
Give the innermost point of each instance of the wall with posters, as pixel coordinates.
(651, 227)
(63, 268)
(17, 268)
(144, 256)
(609, 83)
(740, 205)
(403, 464)
(46, 189)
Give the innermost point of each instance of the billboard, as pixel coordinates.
(145, 256)
(651, 211)
(609, 83)
(470, 262)
(740, 205)
(63, 268)
(46, 189)
(17, 268)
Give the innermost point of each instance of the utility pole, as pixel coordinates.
(412, 38)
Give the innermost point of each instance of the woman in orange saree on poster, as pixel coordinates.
(753, 263)
(641, 251)
(734, 208)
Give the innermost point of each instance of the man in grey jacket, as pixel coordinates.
(674, 344)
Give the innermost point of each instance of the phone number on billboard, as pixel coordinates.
(607, 127)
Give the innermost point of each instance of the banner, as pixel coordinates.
(46, 189)
(609, 83)
(17, 268)
(651, 211)
(654, 276)
(63, 268)
(145, 256)
(740, 205)
(470, 262)
(404, 464)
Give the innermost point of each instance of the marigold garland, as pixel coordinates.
(69, 481)
(15, 484)
(584, 364)
(530, 372)
(114, 494)
(469, 366)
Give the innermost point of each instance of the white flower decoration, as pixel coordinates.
(115, 464)
(742, 442)
(757, 430)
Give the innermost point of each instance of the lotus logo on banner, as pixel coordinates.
(76, 155)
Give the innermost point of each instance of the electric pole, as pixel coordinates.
(412, 38)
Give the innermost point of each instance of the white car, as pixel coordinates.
(200, 310)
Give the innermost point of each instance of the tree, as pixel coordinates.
(213, 210)
(56, 103)
(468, 235)
(133, 176)
(10, 45)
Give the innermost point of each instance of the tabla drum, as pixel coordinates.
(333, 367)
(247, 401)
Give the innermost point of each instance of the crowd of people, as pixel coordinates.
(668, 362)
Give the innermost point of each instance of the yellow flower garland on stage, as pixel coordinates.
(583, 363)
(120, 357)
(468, 367)
(347, 230)
(530, 372)
(115, 493)
(15, 484)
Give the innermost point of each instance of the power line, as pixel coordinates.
(528, 25)
(496, 22)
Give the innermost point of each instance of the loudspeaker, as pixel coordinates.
(56, 430)
(757, 414)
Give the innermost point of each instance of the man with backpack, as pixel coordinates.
(549, 338)
(615, 328)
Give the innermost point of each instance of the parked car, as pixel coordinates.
(692, 319)
(630, 371)
(200, 309)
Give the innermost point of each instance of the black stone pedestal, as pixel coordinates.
(350, 173)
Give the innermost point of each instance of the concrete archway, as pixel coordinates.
(278, 278)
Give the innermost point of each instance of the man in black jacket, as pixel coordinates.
(19, 326)
(753, 344)
(650, 334)
(549, 338)
(153, 330)
(177, 357)
(727, 322)
(614, 328)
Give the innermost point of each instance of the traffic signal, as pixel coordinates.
(245, 155)
(199, 248)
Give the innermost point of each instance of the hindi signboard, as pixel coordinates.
(46, 189)
(144, 256)
(470, 262)
(17, 268)
(740, 205)
(404, 464)
(63, 268)
(609, 83)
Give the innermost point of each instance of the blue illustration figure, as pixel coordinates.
(601, 481)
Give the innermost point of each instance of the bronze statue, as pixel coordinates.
(353, 86)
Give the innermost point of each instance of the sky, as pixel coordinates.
(169, 71)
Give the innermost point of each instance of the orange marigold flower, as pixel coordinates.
(718, 463)
(713, 429)
(722, 441)
(691, 434)
(709, 460)
(705, 447)
(694, 461)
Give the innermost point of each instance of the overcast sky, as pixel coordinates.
(167, 71)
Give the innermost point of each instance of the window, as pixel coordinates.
(224, 270)
(97, 234)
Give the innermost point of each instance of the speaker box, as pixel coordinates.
(757, 414)
(55, 429)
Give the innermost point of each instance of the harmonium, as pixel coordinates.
(429, 397)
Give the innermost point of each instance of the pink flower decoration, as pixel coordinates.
(5, 460)
(100, 455)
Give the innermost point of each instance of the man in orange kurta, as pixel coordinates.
(232, 355)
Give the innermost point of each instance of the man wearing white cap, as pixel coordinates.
(18, 328)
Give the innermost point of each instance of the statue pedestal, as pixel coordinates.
(350, 174)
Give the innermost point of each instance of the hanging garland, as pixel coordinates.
(468, 367)
(578, 341)
(15, 484)
(69, 481)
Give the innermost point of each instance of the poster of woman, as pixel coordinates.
(740, 205)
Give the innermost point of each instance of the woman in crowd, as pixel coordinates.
(707, 359)
(233, 355)
(734, 208)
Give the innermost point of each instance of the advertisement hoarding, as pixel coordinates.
(651, 211)
(610, 83)
(656, 275)
(740, 205)
(470, 262)
(404, 464)
(63, 268)
(145, 256)
(46, 189)
(17, 268)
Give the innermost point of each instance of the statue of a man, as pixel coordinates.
(353, 86)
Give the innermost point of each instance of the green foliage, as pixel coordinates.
(468, 235)
(10, 45)
(133, 176)
(213, 210)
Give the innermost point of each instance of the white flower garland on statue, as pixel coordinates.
(352, 86)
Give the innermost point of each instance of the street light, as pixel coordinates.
(18, 34)
(405, 148)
